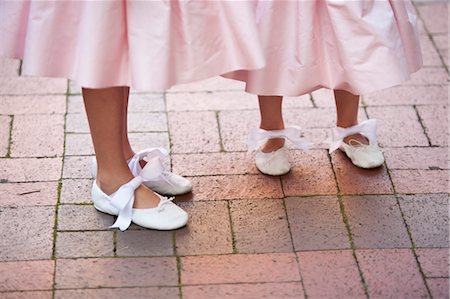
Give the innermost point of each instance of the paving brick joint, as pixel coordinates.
(325, 230)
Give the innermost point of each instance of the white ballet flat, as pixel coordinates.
(273, 163)
(168, 184)
(277, 162)
(361, 155)
(166, 216)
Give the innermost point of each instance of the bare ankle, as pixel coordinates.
(346, 124)
(109, 181)
(129, 154)
(272, 126)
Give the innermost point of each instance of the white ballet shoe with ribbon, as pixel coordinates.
(166, 216)
(277, 162)
(168, 183)
(361, 155)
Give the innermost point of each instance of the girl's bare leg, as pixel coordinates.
(106, 111)
(128, 151)
(270, 108)
(347, 105)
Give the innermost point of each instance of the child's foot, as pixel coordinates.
(272, 155)
(362, 149)
(143, 197)
(133, 202)
(272, 158)
(274, 162)
(168, 184)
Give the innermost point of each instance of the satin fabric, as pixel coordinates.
(358, 46)
(149, 45)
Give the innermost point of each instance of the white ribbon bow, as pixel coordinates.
(367, 128)
(258, 137)
(123, 199)
(147, 155)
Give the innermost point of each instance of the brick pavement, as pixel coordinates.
(325, 230)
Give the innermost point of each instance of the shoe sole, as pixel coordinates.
(271, 174)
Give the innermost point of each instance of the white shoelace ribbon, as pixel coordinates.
(147, 155)
(258, 137)
(367, 128)
(123, 199)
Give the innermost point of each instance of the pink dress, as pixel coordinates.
(149, 45)
(358, 46)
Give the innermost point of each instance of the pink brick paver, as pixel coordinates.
(429, 76)
(28, 194)
(113, 293)
(427, 218)
(38, 136)
(433, 117)
(27, 233)
(84, 244)
(324, 230)
(435, 16)
(420, 181)
(285, 290)
(260, 226)
(30, 169)
(77, 167)
(434, 261)
(76, 191)
(376, 222)
(26, 275)
(330, 274)
(225, 187)
(304, 177)
(430, 54)
(275, 267)
(406, 158)
(354, 180)
(33, 104)
(144, 243)
(439, 287)
(82, 217)
(214, 164)
(116, 272)
(197, 238)
(394, 123)
(32, 86)
(194, 132)
(316, 223)
(204, 101)
(5, 124)
(27, 295)
(10, 67)
(391, 273)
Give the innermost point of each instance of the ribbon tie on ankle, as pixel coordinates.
(258, 137)
(147, 155)
(123, 199)
(367, 128)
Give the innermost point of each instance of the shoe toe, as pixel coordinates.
(367, 157)
(181, 184)
(168, 217)
(275, 163)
